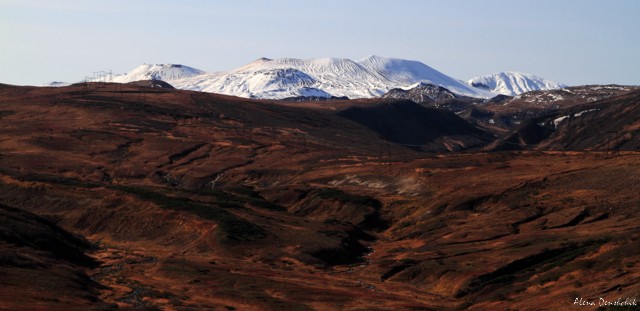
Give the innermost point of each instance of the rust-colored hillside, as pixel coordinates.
(122, 196)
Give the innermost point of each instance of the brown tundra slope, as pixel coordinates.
(130, 197)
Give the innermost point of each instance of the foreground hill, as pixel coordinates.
(196, 201)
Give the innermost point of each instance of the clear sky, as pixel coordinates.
(571, 41)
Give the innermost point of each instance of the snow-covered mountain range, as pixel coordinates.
(513, 83)
(369, 77)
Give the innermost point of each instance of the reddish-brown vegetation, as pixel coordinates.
(185, 200)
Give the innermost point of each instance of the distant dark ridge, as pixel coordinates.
(422, 93)
(153, 83)
(298, 99)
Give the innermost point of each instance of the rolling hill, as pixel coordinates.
(138, 197)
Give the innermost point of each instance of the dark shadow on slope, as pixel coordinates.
(407, 123)
(40, 263)
(530, 133)
(25, 230)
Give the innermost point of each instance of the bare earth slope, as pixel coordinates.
(195, 201)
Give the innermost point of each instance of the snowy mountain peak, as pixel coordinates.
(513, 83)
(164, 72)
(408, 72)
(257, 62)
(390, 63)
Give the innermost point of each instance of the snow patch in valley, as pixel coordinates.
(559, 120)
(585, 111)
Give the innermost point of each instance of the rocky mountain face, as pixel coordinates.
(422, 93)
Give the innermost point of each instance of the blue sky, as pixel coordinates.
(571, 41)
